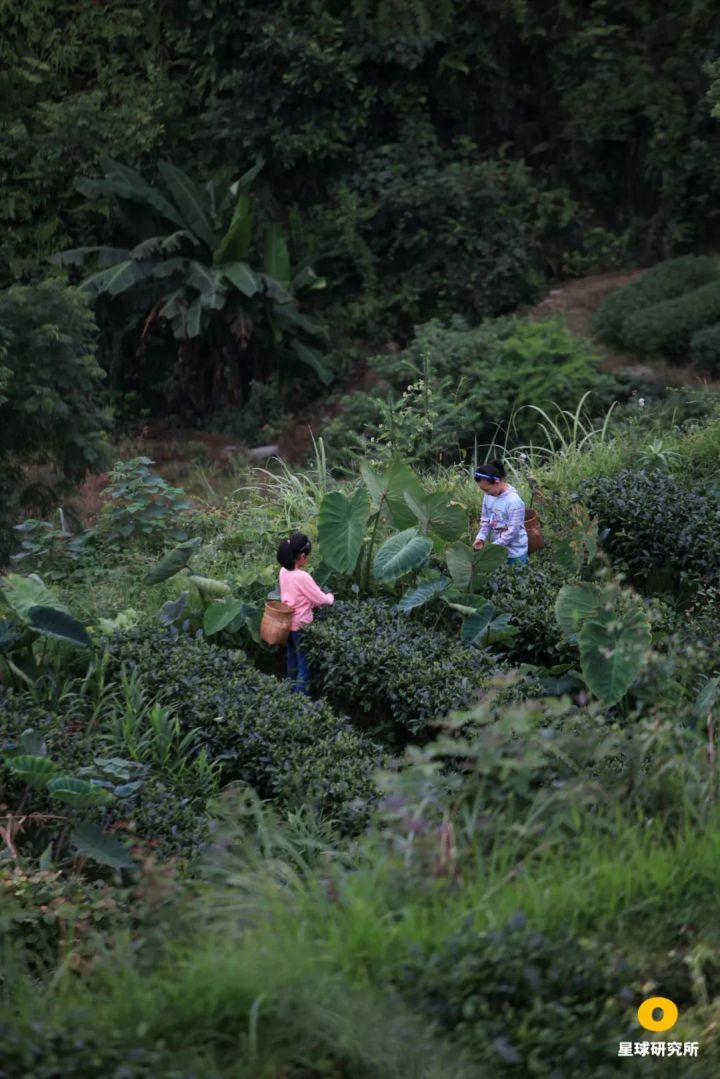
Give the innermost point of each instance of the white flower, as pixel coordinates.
(641, 402)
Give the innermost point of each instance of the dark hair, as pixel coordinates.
(289, 549)
(492, 471)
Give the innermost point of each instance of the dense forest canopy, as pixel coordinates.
(389, 129)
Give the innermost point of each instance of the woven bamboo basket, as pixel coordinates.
(536, 540)
(275, 625)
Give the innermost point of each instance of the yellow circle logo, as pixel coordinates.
(668, 1018)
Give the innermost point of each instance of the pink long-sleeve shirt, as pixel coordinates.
(299, 591)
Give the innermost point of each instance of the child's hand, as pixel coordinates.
(478, 544)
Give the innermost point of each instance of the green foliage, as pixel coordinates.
(287, 747)
(705, 348)
(29, 611)
(389, 670)
(666, 281)
(89, 841)
(185, 266)
(613, 634)
(400, 554)
(52, 408)
(141, 505)
(374, 139)
(341, 528)
(50, 399)
(35, 771)
(469, 568)
(446, 239)
(663, 531)
(57, 917)
(667, 328)
(527, 594)
(172, 562)
(464, 385)
(51, 549)
(517, 997)
(169, 818)
(45, 1052)
(423, 593)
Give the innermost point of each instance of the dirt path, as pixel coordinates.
(579, 299)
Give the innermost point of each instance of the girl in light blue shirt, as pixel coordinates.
(503, 513)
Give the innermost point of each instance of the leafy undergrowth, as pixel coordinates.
(268, 893)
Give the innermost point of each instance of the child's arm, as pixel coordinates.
(314, 593)
(484, 526)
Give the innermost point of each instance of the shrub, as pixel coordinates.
(287, 747)
(472, 379)
(47, 343)
(139, 504)
(667, 328)
(503, 365)
(172, 823)
(663, 282)
(705, 348)
(516, 998)
(445, 237)
(38, 1051)
(657, 525)
(53, 915)
(527, 594)
(384, 665)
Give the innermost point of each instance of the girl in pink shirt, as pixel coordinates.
(299, 591)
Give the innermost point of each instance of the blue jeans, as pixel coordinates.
(297, 666)
(522, 559)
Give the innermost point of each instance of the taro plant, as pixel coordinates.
(349, 526)
(428, 543)
(612, 632)
(31, 615)
(208, 603)
(27, 761)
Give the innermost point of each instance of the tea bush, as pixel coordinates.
(173, 824)
(388, 667)
(519, 999)
(527, 594)
(657, 525)
(289, 748)
(44, 1052)
(667, 328)
(663, 282)
(705, 348)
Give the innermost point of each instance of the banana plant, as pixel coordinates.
(30, 613)
(190, 264)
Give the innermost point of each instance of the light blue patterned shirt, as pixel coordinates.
(503, 520)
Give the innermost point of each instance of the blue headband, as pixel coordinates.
(486, 476)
